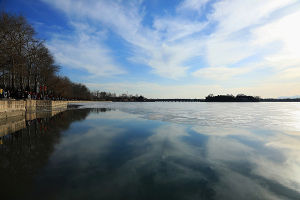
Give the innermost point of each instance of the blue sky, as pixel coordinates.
(172, 48)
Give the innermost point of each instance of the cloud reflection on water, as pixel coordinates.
(273, 156)
(120, 155)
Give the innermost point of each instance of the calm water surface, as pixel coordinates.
(155, 151)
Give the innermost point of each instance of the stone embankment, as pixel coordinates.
(14, 108)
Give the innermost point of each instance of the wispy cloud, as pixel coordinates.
(83, 49)
(286, 33)
(192, 5)
(153, 46)
(241, 27)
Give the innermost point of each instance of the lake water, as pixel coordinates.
(156, 151)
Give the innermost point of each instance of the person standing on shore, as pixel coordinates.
(1, 93)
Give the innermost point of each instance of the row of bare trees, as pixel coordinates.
(27, 65)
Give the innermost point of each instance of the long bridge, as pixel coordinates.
(175, 100)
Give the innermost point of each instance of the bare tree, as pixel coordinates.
(27, 64)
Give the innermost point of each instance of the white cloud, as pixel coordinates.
(84, 50)
(221, 73)
(285, 32)
(234, 15)
(172, 29)
(192, 5)
(224, 51)
(246, 34)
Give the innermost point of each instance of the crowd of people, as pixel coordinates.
(26, 94)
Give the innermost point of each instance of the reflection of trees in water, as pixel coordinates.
(14, 124)
(24, 153)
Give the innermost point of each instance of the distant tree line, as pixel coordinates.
(28, 68)
(107, 96)
(231, 98)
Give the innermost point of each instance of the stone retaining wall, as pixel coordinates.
(31, 105)
(12, 108)
(59, 104)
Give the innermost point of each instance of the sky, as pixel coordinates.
(172, 48)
